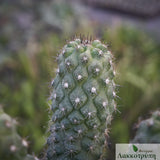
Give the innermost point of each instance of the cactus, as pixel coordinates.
(148, 130)
(82, 101)
(12, 145)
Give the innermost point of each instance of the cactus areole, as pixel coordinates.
(82, 102)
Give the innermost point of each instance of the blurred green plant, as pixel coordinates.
(13, 146)
(148, 130)
(64, 16)
(24, 90)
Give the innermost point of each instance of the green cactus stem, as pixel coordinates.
(83, 100)
(12, 146)
(148, 131)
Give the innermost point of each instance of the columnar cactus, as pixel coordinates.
(82, 101)
(149, 130)
(12, 146)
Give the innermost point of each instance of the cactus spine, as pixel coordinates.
(82, 101)
(148, 130)
(12, 146)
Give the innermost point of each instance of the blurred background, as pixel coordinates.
(32, 33)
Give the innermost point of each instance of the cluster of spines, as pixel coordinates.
(84, 77)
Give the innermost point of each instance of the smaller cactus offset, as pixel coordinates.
(12, 146)
(148, 130)
(83, 100)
